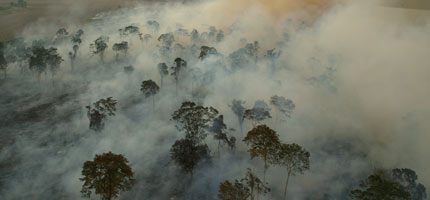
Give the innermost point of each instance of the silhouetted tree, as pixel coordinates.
(293, 157)
(194, 35)
(179, 64)
(3, 63)
(255, 184)
(120, 47)
(163, 70)
(263, 142)
(220, 133)
(398, 184)
(42, 58)
(194, 119)
(258, 113)
(150, 88)
(108, 175)
(99, 46)
(206, 51)
(272, 55)
(236, 191)
(188, 154)
(220, 36)
(283, 105)
(408, 179)
(102, 109)
(239, 110)
(153, 25)
(166, 39)
(129, 30)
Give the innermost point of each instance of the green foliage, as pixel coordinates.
(108, 175)
(187, 154)
(194, 119)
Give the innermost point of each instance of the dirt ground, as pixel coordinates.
(14, 20)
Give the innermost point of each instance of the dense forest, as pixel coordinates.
(195, 101)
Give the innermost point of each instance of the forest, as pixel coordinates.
(217, 100)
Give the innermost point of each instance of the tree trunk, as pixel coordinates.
(153, 103)
(264, 171)
(286, 185)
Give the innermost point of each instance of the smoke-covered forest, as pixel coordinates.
(219, 99)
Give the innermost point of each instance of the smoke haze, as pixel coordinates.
(357, 72)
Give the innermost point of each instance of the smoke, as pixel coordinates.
(356, 71)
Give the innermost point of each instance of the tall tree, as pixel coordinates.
(399, 184)
(408, 179)
(255, 184)
(293, 157)
(263, 142)
(179, 64)
(239, 110)
(163, 70)
(3, 63)
(101, 110)
(283, 105)
(236, 191)
(258, 113)
(166, 39)
(108, 175)
(99, 46)
(187, 153)
(150, 88)
(120, 47)
(194, 119)
(219, 129)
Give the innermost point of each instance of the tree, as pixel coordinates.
(43, 58)
(194, 119)
(153, 25)
(220, 133)
(258, 113)
(242, 189)
(99, 46)
(129, 69)
(163, 70)
(150, 88)
(194, 35)
(129, 30)
(378, 187)
(239, 110)
(3, 63)
(220, 36)
(62, 32)
(206, 51)
(255, 184)
(272, 55)
(120, 47)
(407, 178)
(102, 109)
(390, 184)
(179, 64)
(283, 105)
(76, 40)
(166, 39)
(236, 191)
(188, 154)
(108, 175)
(293, 157)
(263, 142)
